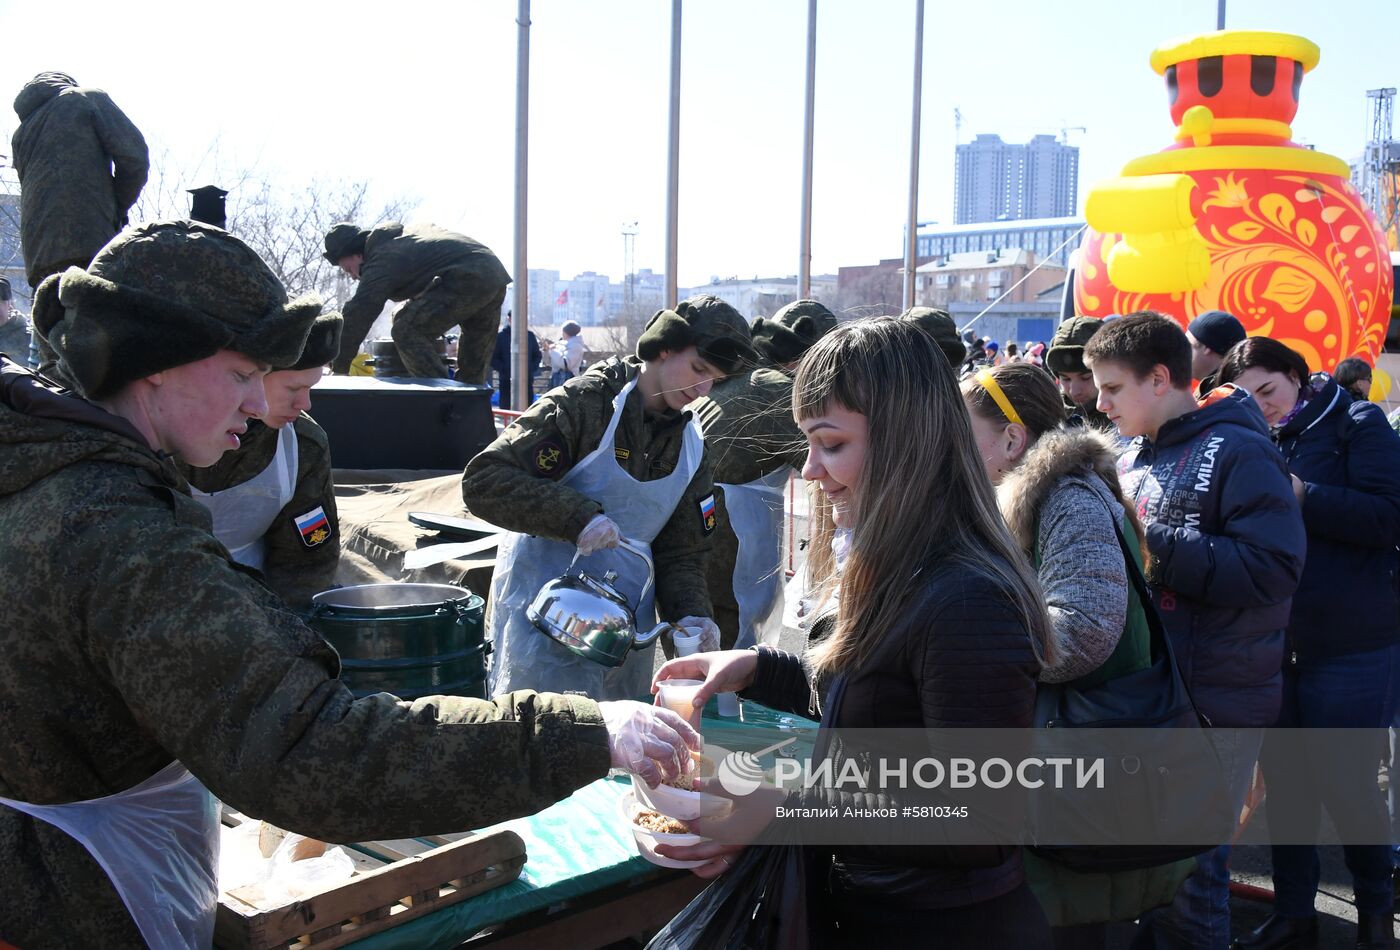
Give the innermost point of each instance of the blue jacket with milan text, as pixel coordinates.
(1227, 546)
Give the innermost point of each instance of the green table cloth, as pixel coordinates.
(577, 846)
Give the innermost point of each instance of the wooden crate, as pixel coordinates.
(394, 881)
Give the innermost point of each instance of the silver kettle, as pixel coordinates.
(590, 617)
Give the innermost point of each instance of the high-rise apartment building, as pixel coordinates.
(997, 181)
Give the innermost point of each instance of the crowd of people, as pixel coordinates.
(989, 523)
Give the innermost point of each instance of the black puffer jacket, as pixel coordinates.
(962, 660)
(1349, 459)
(1227, 546)
(81, 165)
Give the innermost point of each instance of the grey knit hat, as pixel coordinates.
(165, 294)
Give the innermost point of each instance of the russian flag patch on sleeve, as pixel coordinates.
(313, 527)
(708, 518)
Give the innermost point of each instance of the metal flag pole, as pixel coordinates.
(673, 159)
(911, 229)
(804, 253)
(1220, 15)
(520, 317)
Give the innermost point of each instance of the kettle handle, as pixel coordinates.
(640, 552)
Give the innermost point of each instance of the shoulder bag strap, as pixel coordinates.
(1154, 620)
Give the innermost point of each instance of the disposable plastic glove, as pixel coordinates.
(705, 627)
(648, 741)
(602, 532)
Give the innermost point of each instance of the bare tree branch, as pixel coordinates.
(288, 230)
(286, 226)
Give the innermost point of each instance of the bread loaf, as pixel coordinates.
(269, 837)
(308, 848)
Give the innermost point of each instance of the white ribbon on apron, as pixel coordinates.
(756, 516)
(159, 844)
(525, 658)
(244, 513)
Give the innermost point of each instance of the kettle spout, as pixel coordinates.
(645, 639)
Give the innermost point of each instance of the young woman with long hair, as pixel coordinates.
(930, 617)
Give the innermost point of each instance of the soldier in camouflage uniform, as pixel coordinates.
(448, 280)
(1065, 359)
(273, 500)
(81, 165)
(939, 325)
(133, 649)
(14, 329)
(754, 445)
(610, 453)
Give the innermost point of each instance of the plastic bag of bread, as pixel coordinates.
(271, 839)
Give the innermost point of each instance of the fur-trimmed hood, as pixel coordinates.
(1081, 452)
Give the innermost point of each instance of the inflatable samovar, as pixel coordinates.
(1237, 217)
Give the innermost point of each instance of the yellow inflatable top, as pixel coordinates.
(1235, 42)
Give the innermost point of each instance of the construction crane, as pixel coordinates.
(629, 239)
(1065, 130)
(1380, 162)
(957, 126)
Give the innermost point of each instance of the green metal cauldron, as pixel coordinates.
(411, 640)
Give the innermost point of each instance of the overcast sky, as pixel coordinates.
(419, 100)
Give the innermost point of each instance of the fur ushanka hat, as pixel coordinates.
(707, 323)
(344, 239)
(322, 343)
(789, 333)
(939, 325)
(165, 294)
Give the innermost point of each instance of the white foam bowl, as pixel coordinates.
(685, 804)
(678, 803)
(648, 840)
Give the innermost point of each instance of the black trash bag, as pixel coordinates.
(761, 904)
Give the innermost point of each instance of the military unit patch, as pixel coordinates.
(550, 457)
(314, 527)
(707, 513)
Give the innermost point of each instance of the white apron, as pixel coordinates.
(525, 658)
(756, 517)
(159, 844)
(244, 513)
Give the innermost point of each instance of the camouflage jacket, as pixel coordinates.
(14, 338)
(514, 481)
(130, 640)
(81, 165)
(400, 261)
(749, 433)
(749, 429)
(296, 567)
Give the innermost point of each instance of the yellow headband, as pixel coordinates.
(987, 381)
